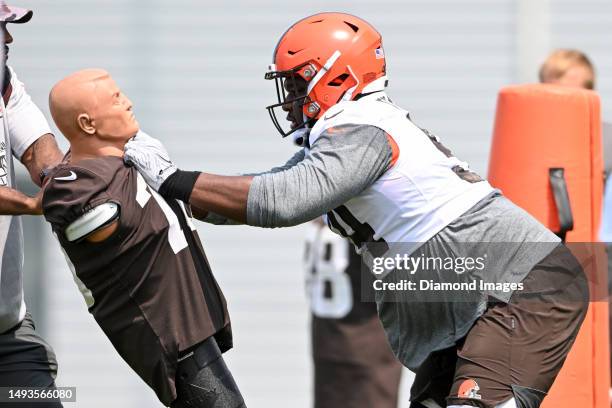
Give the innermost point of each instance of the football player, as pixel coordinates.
(343, 326)
(383, 182)
(136, 257)
(26, 359)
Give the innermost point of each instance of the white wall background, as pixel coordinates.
(194, 70)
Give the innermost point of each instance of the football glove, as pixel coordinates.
(150, 158)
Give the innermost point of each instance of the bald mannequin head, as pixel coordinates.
(93, 114)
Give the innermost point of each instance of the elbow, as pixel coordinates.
(279, 219)
(282, 218)
(291, 220)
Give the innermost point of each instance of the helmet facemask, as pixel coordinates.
(288, 80)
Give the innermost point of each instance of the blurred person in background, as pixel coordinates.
(136, 258)
(343, 325)
(382, 181)
(25, 358)
(569, 68)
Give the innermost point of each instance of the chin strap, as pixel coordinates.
(300, 137)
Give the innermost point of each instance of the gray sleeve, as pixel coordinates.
(341, 164)
(295, 159)
(217, 219)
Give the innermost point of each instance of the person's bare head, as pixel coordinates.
(91, 111)
(568, 67)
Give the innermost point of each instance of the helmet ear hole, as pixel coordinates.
(339, 80)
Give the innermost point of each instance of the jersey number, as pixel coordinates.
(176, 237)
(462, 172)
(360, 233)
(327, 284)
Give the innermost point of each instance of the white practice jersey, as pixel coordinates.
(22, 124)
(424, 190)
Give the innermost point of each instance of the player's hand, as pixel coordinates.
(35, 204)
(150, 158)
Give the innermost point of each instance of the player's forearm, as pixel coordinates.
(223, 195)
(210, 217)
(13, 202)
(43, 154)
(274, 199)
(218, 219)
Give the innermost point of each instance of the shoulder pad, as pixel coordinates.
(92, 221)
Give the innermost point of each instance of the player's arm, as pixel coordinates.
(216, 219)
(32, 143)
(225, 196)
(43, 153)
(30, 135)
(40, 156)
(340, 165)
(342, 162)
(13, 202)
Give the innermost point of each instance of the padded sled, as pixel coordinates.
(546, 157)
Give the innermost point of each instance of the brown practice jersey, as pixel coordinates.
(149, 285)
(353, 362)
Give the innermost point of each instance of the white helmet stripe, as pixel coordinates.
(328, 64)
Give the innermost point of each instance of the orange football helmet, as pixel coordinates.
(339, 55)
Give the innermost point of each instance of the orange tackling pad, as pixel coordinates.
(547, 146)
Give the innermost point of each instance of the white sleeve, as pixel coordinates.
(26, 123)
